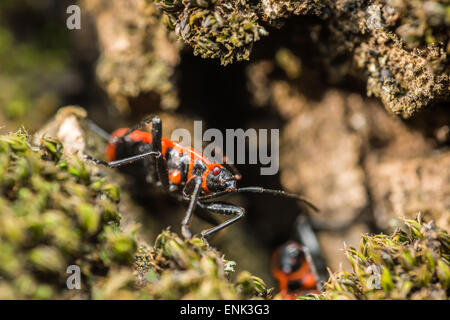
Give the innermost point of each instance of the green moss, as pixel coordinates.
(190, 269)
(413, 263)
(54, 212)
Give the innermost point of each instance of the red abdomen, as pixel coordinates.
(135, 136)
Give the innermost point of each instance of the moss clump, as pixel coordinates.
(35, 72)
(190, 269)
(215, 28)
(409, 264)
(54, 213)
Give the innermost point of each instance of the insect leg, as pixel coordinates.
(140, 125)
(225, 209)
(121, 162)
(161, 163)
(195, 183)
(308, 238)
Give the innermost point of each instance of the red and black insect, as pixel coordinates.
(180, 170)
(298, 265)
(293, 269)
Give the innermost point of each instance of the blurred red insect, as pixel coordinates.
(292, 268)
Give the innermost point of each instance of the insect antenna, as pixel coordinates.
(99, 131)
(279, 193)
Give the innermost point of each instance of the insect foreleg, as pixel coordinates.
(224, 209)
(161, 163)
(121, 162)
(195, 183)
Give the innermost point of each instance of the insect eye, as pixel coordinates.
(216, 170)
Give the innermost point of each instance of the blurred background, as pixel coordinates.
(363, 166)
